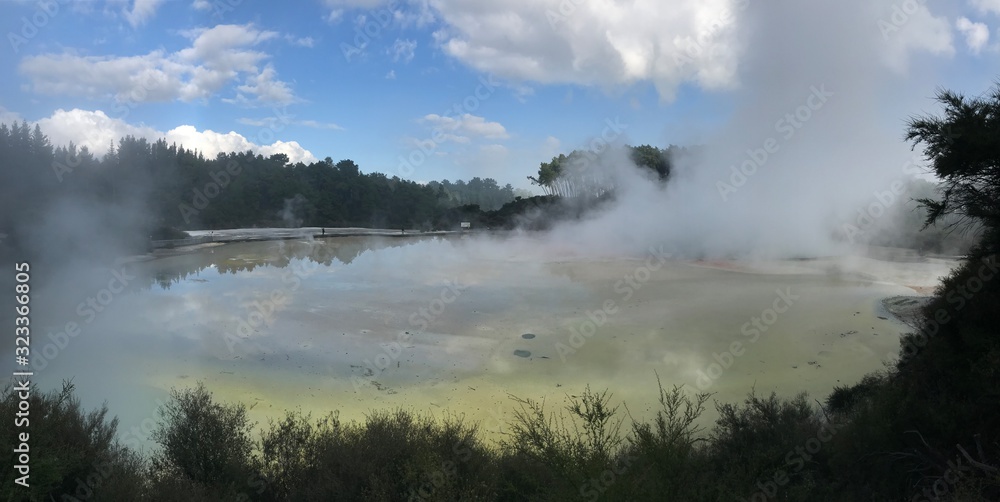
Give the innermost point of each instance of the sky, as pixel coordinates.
(452, 89)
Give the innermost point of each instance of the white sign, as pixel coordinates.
(466, 224)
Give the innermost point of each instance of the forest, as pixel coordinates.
(154, 190)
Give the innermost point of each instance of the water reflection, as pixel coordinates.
(246, 257)
(355, 323)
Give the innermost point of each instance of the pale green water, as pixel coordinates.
(336, 338)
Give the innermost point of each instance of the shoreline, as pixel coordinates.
(168, 248)
(907, 310)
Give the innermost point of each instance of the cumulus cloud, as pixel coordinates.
(908, 33)
(301, 42)
(494, 149)
(264, 88)
(96, 130)
(552, 144)
(596, 43)
(217, 56)
(977, 35)
(8, 117)
(614, 44)
(466, 125)
(275, 122)
(403, 50)
(987, 6)
(141, 11)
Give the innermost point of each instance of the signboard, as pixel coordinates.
(466, 224)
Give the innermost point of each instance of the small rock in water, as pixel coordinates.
(522, 353)
(527, 336)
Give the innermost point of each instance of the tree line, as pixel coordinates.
(581, 174)
(145, 188)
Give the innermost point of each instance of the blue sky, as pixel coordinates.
(292, 77)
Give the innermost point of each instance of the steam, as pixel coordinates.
(806, 147)
(291, 209)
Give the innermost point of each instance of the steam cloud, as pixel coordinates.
(816, 81)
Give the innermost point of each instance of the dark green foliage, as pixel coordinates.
(391, 456)
(962, 148)
(204, 441)
(72, 452)
(845, 398)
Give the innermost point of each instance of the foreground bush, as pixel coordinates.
(73, 453)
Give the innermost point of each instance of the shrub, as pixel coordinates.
(73, 453)
(204, 441)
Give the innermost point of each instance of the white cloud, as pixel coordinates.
(319, 125)
(8, 117)
(596, 43)
(301, 42)
(494, 149)
(257, 122)
(403, 50)
(611, 44)
(468, 125)
(217, 57)
(264, 88)
(276, 122)
(335, 16)
(96, 130)
(919, 31)
(977, 35)
(142, 11)
(202, 5)
(391, 75)
(551, 147)
(986, 6)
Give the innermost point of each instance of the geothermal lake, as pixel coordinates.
(457, 324)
